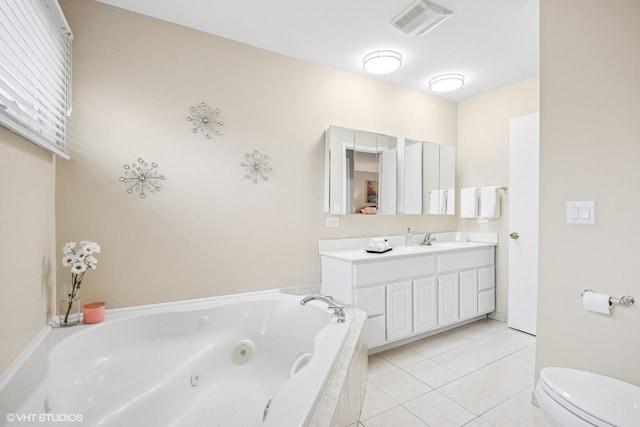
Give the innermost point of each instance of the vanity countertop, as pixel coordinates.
(356, 255)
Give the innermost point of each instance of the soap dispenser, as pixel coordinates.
(408, 239)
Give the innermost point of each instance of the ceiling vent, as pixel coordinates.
(420, 17)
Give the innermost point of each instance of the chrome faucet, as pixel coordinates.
(429, 238)
(328, 299)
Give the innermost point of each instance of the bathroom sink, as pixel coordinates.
(449, 244)
(454, 245)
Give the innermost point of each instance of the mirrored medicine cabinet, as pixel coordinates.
(371, 173)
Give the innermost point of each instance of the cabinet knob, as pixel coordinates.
(514, 235)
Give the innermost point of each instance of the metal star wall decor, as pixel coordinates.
(141, 177)
(257, 166)
(205, 120)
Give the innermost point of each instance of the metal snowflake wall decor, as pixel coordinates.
(141, 177)
(257, 166)
(205, 119)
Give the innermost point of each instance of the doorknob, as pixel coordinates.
(514, 235)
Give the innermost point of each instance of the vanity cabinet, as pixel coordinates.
(398, 310)
(412, 307)
(408, 295)
(466, 284)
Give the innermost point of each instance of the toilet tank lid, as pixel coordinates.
(608, 399)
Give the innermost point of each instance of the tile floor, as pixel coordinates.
(480, 374)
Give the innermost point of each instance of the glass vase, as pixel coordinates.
(69, 312)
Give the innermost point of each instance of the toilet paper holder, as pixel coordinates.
(625, 300)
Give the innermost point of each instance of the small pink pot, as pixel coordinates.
(93, 312)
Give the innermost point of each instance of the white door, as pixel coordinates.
(399, 318)
(524, 166)
(425, 304)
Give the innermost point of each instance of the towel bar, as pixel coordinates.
(625, 300)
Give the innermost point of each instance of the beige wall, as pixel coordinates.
(590, 109)
(27, 252)
(209, 231)
(483, 160)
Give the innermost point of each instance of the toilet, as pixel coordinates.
(569, 397)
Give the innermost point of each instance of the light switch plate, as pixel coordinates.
(333, 221)
(581, 212)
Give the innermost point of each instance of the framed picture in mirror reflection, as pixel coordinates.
(372, 191)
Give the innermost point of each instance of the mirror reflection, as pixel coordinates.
(362, 174)
(361, 171)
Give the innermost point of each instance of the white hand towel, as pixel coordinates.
(489, 203)
(377, 244)
(434, 202)
(468, 203)
(451, 202)
(442, 202)
(377, 241)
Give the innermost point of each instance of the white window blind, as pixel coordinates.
(35, 72)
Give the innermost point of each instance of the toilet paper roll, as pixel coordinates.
(599, 303)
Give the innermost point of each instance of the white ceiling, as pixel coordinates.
(491, 42)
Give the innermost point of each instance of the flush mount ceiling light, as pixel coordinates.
(382, 62)
(446, 82)
(420, 17)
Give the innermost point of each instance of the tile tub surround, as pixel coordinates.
(479, 374)
(342, 400)
(341, 403)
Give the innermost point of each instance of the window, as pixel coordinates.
(35, 72)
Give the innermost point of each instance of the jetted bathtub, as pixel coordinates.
(259, 359)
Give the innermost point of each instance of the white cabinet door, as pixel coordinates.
(447, 299)
(425, 304)
(372, 300)
(468, 294)
(399, 313)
